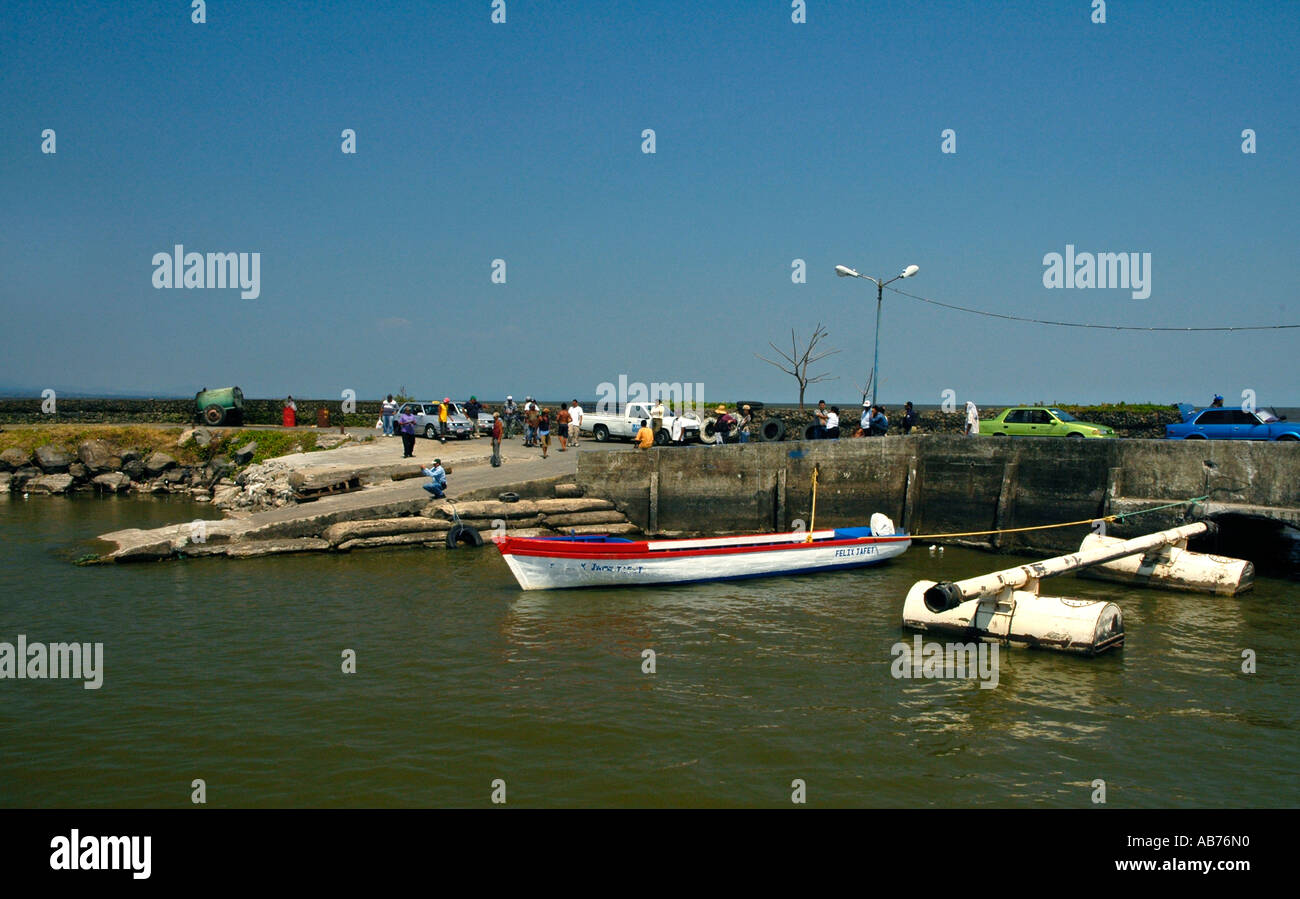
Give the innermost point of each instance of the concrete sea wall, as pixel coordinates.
(941, 484)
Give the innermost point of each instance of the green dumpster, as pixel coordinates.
(224, 405)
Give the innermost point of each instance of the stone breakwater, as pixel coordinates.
(386, 520)
(97, 466)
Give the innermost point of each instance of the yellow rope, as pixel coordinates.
(1048, 527)
(1037, 527)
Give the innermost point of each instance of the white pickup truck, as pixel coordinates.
(625, 425)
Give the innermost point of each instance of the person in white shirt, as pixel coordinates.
(657, 416)
(387, 411)
(833, 423)
(575, 423)
(865, 421)
(972, 419)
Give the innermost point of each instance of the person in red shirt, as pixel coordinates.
(497, 431)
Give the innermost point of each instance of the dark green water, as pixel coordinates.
(230, 671)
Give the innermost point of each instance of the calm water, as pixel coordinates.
(230, 671)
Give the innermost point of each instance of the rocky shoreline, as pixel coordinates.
(98, 466)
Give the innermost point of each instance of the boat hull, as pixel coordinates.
(557, 564)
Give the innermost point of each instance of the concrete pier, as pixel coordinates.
(938, 484)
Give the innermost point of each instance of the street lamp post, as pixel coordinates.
(845, 272)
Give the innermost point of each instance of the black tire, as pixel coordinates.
(508, 497)
(810, 432)
(1282, 437)
(663, 438)
(772, 430)
(1074, 435)
(463, 533)
(706, 429)
(600, 433)
(430, 432)
(1195, 436)
(998, 434)
(214, 415)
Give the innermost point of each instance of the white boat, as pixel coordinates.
(547, 563)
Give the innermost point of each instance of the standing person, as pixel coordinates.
(562, 420)
(833, 423)
(530, 423)
(746, 421)
(438, 479)
(544, 430)
(406, 425)
(864, 423)
(972, 419)
(497, 431)
(821, 414)
(472, 410)
(1217, 402)
(645, 438)
(443, 408)
(575, 422)
(510, 412)
(909, 418)
(290, 416)
(657, 416)
(879, 422)
(678, 429)
(387, 410)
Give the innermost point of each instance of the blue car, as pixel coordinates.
(1219, 423)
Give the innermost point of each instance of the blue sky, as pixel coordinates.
(775, 141)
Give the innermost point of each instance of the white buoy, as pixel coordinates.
(1005, 606)
(1174, 567)
(1022, 618)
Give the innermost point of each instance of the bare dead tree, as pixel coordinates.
(797, 362)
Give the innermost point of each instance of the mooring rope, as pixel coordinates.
(1064, 524)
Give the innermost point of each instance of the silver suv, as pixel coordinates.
(426, 420)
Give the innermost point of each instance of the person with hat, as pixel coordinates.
(721, 427)
(531, 418)
(657, 415)
(472, 410)
(438, 479)
(510, 415)
(746, 420)
(1218, 402)
(496, 439)
(864, 423)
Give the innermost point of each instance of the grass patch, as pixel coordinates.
(150, 440)
(121, 437)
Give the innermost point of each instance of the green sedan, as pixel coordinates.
(1040, 421)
